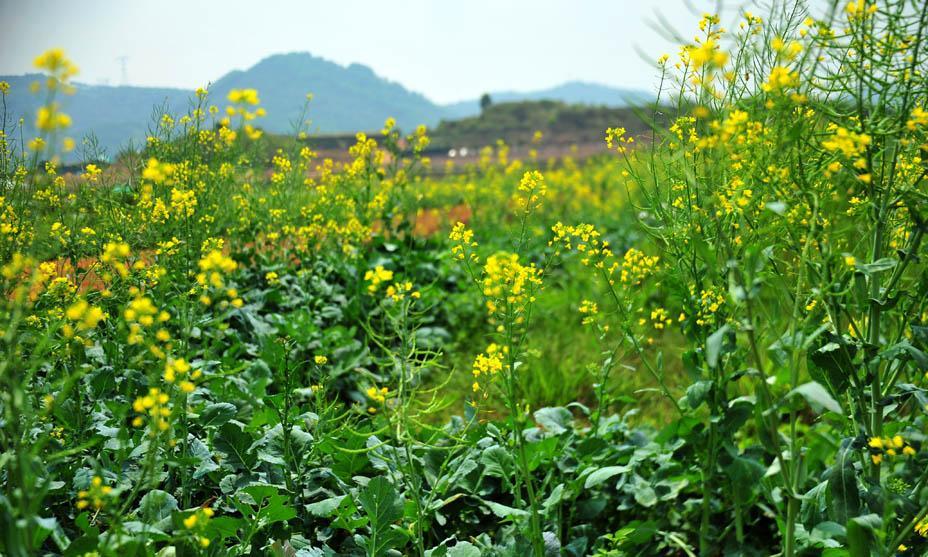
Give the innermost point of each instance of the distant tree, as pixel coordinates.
(485, 101)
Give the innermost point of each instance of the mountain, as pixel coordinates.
(114, 114)
(345, 99)
(572, 92)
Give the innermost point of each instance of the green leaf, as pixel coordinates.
(714, 346)
(217, 414)
(643, 492)
(832, 363)
(843, 493)
(276, 510)
(920, 335)
(156, 507)
(859, 534)
(233, 443)
(600, 475)
(903, 350)
(200, 452)
(383, 506)
(879, 265)
(697, 392)
(464, 549)
(502, 511)
(817, 397)
(496, 462)
(554, 420)
(326, 507)
(557, 494)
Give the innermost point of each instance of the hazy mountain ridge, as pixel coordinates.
(571, 92)
(345, 99)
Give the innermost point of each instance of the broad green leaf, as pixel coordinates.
(644, 493)
(832, 364)
(697, 392)
(217, 414)
(464, 549)
(234, 443)
(879, 265)
(554, 420)
(714, 346)
(156, 506)
(502, 511)
(557, 494)
(496, 462)
(817, 397)
(326, 507)
(383, 506)
(843, 493)
(600, 475)
(859, 535)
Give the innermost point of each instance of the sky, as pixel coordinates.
(446, 50)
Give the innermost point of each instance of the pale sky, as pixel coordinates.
(445, 50)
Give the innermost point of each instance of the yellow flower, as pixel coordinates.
(780, 78)
(92, 172)
(615, 137)
(244, 96)
(463, 242)
(157, 172)
(183, 202)
(376, 276)
(320, 359)
(36, 144)
(84, 315)
(56, 63)
(95, 496)
(533, 187)
(197, 523)
(378, 395)
(153, 408)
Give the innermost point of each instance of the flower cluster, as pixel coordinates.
(115, 255)
(636, 266)
(142, 314)
(507, 284)
(83, 317)
(154, 408)
(890, 447)
(399, 290)
(178, 370)
(196, 523)
(487, 364)
(616, 139)
(707, 304)
(463, 243)
(215, 269)
(589, 310)
(378, 396)
(183, 202)
(532, 189)
(374, 277)
(95, 496)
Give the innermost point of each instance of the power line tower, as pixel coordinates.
(124, 67)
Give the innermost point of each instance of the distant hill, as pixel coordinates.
(516, 123)
(114, 114)
(572, 92)
(345, 99)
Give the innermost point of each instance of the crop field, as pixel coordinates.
(710, 339)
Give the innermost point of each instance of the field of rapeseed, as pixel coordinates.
(713, 341)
